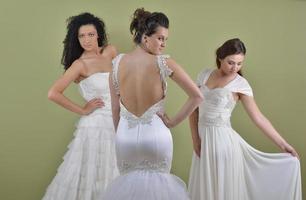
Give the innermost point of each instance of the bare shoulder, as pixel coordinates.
(173, 65)
(110, 50)
(78, 66)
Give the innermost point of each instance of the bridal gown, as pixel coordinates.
(89, 165)
(229, 168)
(144, 152)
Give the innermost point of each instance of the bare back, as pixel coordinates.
(140, 82)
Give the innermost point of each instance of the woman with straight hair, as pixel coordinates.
(224, 166)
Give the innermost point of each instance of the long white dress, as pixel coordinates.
(144, 152)
(89, 165)
(229, 168)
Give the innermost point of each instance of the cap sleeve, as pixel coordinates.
(242, 86)
(202, 77)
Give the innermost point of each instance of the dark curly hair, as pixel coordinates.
(72, 48)
(145, 22)
(230, 47)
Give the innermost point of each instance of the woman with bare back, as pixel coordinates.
(143, 139)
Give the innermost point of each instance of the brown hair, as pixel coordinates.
(145, 22)
(230, 47)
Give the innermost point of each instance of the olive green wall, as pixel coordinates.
(34, 132)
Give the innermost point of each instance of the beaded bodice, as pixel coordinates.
(147, 116)
(218, 104)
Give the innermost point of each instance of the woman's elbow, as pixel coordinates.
(199, 98)
(51, 95)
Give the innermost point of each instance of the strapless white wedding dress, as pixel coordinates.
(90, 162)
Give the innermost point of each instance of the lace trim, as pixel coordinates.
(164, 70)
(115, 72)
(146, 165)
(146, 118)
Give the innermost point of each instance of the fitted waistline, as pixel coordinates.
(218, 120)
(146, 165)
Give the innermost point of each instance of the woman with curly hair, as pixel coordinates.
(90, 163)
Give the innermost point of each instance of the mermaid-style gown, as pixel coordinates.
(144, 153)
(90, 162)
(229, 168)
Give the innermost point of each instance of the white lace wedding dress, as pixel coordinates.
(90, 162)
(229, 168)
(144, 152)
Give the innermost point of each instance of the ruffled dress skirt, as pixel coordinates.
(89, 165)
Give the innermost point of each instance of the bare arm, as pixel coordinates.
(56, 91)
(193, 92)
(196, 140)
(264, 124)
(115, 102)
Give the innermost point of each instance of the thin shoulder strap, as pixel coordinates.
(164, 70)
(115, 71)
